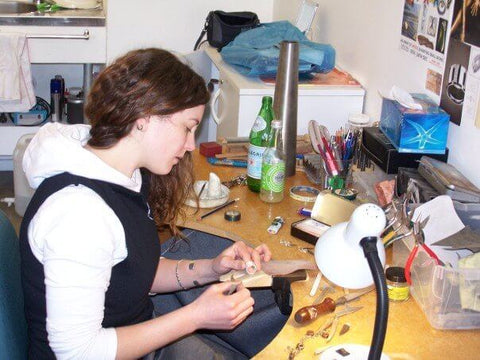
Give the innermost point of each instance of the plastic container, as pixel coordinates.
(23, 191)
(437, 288)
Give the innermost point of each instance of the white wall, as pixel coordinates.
(173, 25)
(366, 35)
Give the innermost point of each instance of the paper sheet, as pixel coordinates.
(443, 222)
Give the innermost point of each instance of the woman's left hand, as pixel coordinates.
(236, 256)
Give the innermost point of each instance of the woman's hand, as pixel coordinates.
(217, 309)
(236, 256)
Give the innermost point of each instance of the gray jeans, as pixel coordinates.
(244, 341)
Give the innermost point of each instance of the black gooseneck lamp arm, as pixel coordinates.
(369, 245)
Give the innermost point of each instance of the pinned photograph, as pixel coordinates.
(466, 21)
(455, 79)
(411, 12)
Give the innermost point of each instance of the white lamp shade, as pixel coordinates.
(338, 252)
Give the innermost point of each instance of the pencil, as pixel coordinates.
(218, 208)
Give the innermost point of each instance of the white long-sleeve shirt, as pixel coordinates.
(78, 239)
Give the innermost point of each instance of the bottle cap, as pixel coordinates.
(55, 86)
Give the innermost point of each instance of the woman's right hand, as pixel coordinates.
(215, 309)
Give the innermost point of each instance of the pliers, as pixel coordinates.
(419, 241)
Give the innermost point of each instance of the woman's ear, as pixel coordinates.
(141, 125)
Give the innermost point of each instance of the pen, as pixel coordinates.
(218, 208)
(227, 162)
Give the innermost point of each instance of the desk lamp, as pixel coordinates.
(350, 255)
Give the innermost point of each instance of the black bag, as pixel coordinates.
(222, 27)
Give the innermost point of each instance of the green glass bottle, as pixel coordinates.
(257, 143)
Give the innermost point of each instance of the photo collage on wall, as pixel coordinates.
(425, 27)
(461, 78)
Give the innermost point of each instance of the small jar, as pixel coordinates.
(397, 286)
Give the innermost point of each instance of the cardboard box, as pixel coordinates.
(415, 131)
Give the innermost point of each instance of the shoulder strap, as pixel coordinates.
(204, 30)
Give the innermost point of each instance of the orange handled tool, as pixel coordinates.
(328, 305)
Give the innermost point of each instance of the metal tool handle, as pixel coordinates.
(311, 312)
(84, 36)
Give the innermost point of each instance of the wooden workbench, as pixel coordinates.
(409, 335)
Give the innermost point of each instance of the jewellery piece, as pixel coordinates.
(139, 127)
(177, 276)
(250, 267)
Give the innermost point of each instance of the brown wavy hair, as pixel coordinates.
(139, 84)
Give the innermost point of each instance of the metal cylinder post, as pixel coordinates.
(285, 102)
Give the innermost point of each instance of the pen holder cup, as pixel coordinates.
(344, 178)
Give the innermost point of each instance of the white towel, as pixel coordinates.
(16, 88)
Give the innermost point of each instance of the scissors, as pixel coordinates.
(419, 241)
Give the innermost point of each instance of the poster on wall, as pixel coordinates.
(461, 79)
(454, 83)
(425, 27)
(466, 22)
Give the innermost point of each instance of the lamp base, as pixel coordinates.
(348, 352)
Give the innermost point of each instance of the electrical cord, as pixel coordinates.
(45, 105)
(369, 245)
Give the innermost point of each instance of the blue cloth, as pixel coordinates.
(255, 52)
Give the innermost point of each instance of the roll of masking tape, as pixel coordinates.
(232, 215)
(304, 193)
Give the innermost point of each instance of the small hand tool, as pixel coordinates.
(419, 241)
(338, 314)
(325, 290)
(217, 208)
(328, 305)
(316, 283)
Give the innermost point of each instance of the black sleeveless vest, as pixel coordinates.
(126, 300)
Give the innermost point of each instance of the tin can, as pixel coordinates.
(397, 286)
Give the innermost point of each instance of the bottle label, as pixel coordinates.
(254, 166)
(259, 125)
(273, 177)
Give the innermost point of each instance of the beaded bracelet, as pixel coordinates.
(178, 276)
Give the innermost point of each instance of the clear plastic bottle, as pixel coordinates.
(273, 166)
(258, 142)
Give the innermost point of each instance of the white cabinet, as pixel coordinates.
(82, 43)
(239, 99)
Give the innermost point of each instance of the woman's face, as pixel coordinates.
(167, 139)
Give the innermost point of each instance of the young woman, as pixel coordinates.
(90, 250)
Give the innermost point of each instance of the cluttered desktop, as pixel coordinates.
(348, 188)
